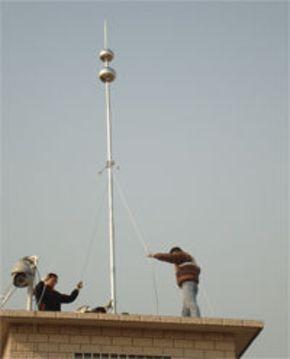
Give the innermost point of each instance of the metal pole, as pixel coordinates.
(110, 164)
(29, 296)
(108, 75)
(31, 285)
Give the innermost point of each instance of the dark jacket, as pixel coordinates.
(186, 268)
(49, 299)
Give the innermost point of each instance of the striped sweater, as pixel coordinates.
(186, 268)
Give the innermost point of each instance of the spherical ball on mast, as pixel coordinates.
(106, 55)
(107, 74)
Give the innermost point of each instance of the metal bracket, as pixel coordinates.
(110, 164)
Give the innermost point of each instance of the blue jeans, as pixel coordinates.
(189, 293)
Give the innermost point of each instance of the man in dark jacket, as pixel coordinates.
(48, 299)
(187, 277)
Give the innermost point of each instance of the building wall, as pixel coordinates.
(54, 341)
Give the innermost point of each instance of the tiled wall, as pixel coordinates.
(54, 341)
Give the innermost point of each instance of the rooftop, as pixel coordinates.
(243, 331)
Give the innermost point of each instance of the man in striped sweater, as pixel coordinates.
(187, 277)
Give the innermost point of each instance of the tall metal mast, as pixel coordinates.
(108, 75)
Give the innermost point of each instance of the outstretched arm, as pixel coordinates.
(64, 298)
(175, 258)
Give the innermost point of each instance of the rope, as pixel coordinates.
(42, 293)
(140, 238)
(132, 218)
(94, 234)
(155, 286)
(204, 293)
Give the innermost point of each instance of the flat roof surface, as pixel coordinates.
(243, 331)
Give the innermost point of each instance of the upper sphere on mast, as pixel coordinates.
(106, 55)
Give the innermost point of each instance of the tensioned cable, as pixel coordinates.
(43, 290)
(152, 265)
(132, 218)
(94, 233)
(140, 238)
(93, 237)
(204, 293)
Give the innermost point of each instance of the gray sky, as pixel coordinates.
(200, 120)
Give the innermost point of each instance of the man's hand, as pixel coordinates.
(150, 255)
(80, 285)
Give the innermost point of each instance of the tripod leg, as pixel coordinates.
(7, 296)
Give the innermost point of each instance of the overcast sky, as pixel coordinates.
(200, 136)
